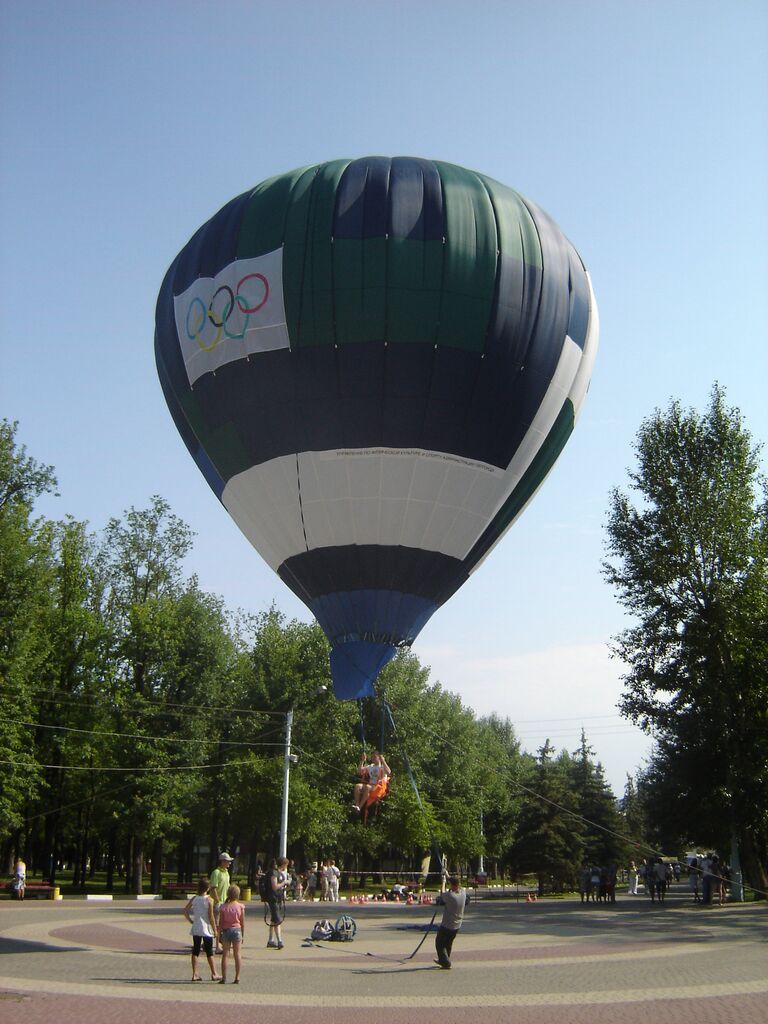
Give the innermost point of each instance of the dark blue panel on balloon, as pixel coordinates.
(167, 351)
(578, 320)
(416, 200)
(362, 422)
(553, 313)
(362, 199)
(209, 471)
(354, 567)
(355, 666)
(213, 247)
(515, 305)
(361, 369)
(408, 370)
(383, 616)
(453, 374)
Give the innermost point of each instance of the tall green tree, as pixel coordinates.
(688, 557)
(26, 562)
(604, 833)
(549, 841)
(152, 616)
(69, 713)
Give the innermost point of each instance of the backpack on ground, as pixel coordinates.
(345, 929)
(322, 931)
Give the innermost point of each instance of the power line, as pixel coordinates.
(159, 705)
(122, 768)
(140, 736)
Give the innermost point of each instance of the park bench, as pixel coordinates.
(41, 888)
(174, 890)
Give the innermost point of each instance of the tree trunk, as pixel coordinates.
(129, 865)
(78, 855)
(752, 867)
(111, 842)
(185, 855)
(137, 888)
(213, 854)
(157, 863)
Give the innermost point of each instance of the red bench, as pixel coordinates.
(42, 888)
(172, 890)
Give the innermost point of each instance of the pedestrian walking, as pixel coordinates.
(220, 882)
(19, 882)
(231, 931)
(199, 913)
(276, 903)
(632, 875)
(454, 901)
(333, 881)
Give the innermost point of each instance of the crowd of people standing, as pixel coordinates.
(708, 879)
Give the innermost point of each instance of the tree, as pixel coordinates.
(633, 813)
(550, 841)
(25, 584)
(141, 562)
(603, 826)
(689, 561)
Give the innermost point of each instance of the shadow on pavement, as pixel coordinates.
(30, 946)
(148, 981)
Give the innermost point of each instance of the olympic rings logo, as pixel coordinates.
(228, 312)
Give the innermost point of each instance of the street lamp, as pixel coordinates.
(288, 760)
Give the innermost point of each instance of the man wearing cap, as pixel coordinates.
(454, 900)
(220, 882)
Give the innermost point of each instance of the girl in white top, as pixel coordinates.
(199, 913)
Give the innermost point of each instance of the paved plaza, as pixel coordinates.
(551, 961)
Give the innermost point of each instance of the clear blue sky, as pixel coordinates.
(642, 129)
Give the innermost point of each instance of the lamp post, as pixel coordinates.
(288, 759)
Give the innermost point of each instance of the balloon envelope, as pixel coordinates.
(374, 364)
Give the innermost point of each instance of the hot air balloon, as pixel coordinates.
(375, 363)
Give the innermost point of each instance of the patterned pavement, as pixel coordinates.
(553, 962)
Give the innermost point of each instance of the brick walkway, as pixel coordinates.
(553, 962)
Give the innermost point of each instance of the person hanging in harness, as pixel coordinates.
(374, 782)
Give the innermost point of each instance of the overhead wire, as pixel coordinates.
(159, 706)
(141, 736)
(123, 768)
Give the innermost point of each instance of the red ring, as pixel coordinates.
(252, 309)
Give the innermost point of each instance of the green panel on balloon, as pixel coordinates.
(294, 253)
(316, 317)
(263, 223)
(359, 293)
(518, 237)
(414, 278)
(223, 445)
(469, 276)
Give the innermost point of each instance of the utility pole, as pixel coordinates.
(481, 867)
(287, 760)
